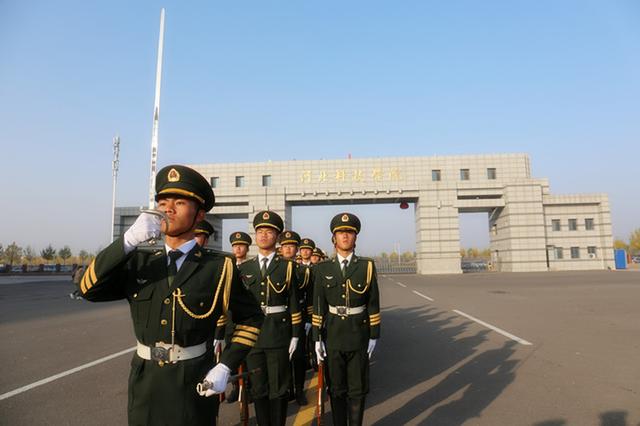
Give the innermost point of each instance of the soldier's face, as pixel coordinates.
(240, 250)
(266, 238)
(289, 251)
(305, 253)
(345, 240)
(315, 259)
(183, 214)
(202, 239)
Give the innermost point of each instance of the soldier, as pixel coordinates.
(346, 315)
(306, 250)
(240, 242)
(316, 255)
(289, 242)
(176, 295)
(273, 282)
(202, 232)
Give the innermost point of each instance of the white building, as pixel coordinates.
(530, 229)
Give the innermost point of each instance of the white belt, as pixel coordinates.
(164, 352)
(273, 309)
(343, 310)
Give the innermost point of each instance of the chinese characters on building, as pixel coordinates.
(351, 176)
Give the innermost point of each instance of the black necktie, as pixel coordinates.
(174, 255)
(263, 269)
(344, 267)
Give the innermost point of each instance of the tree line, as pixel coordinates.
(13, 254)
(632, 245)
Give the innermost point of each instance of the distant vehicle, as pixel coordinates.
(635, 259)
(49, 268)
(16, 268)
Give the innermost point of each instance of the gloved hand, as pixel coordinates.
(292, 346)
(307, 327)
(146, 227)
(218, 377)
(218, 345)
(320, 351)
(372, 346)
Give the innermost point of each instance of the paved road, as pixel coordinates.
(542, 349)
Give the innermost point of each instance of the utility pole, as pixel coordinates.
(114, 167)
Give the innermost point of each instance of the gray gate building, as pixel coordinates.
(530, 229)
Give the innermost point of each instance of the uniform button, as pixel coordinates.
(342, 296)
(343, 285)
(135, 295)
(167, 301)
(343, 318)
(201, 304)
(284, 320)
(164, 322)
(262, 293)
(262, 284)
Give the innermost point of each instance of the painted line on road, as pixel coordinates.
(422, 295)
(494, 328)
(400, 284)
(64, 374)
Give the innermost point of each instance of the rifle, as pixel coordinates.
(320, 399)
(242, 399)
(222, 395)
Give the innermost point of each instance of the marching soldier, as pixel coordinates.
(203, 231)
(306, 250)
(240, 242)
(316, 255)
(176, 295)
(346, 321)
(273, 282)
(289, 242)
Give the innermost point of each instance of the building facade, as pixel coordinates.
(530, 229)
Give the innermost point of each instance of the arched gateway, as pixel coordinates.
(530, 229)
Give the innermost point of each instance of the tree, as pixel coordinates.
(1, 253)
(13, 253)
(407, 256)
(83, 255)
(29, 254)
(64, 253)
(48, 253)
(620, 244)
(634, 242)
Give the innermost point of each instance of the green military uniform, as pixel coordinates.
(174, 317)
(346, 315)
(204, 227)
(276, 291)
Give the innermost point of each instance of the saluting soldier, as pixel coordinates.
(203, 231)
(346, 320)
(289, 242)
(176, 295)
(273, 282)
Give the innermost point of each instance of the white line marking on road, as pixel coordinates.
(400, 284)
(422, 295)
(63, 374)
(494, 328)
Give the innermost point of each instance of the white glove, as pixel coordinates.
(218, 345)
(372, 346)
(320, 351)
(218, 376)
(307, 327)
(146, 227)
(292, 346)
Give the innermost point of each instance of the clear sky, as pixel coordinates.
(559, 80)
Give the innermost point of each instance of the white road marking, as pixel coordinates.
(63, 374)
(422, 295)
(400, 284)
(494, 328)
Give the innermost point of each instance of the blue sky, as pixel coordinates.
(557, 80)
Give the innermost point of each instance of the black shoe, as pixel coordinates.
(301, 399)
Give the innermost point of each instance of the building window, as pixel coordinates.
(239, 181)
(555, 224)
(436, 175)
(558, 252)
(592, 251)
(215, 181)
(266, 180)
(464, 174)
(575, 252)
(588, 224)
(491, 173)
(573, 224)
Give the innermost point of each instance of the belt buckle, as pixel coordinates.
(264, 309)
(160, 354)
(342, 310)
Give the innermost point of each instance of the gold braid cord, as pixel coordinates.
(306, 278)
(368, 283)
(226, 273)
(287, 281)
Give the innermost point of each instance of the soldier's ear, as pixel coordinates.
(201, 215)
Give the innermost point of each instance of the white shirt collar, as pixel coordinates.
(270, 257)
(348, 258)
(184, 248)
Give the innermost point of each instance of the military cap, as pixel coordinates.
(317, 252)
(204, 227)
(289, 237)
(240, 238)
(269, 219)
(307, 243)
(345, 222)
(186, 182)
